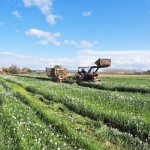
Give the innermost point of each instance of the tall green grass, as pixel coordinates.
(23, 130)
(116, 110)
(61, 126)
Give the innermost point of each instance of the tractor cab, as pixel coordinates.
(91, 73)
(87, 73)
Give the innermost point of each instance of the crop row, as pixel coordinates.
(129, 80)
(106, 85)
(113, 134)
(113, 84)
(62, 126)
(134, 103)
(97, 105)
(24, 129)
(119, 84)
(6, 142)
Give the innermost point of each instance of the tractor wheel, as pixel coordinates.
(79, 78)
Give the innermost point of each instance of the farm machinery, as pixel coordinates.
(91, 73)
(83, 74)
(57, 74)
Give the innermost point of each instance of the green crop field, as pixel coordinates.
(38, 114)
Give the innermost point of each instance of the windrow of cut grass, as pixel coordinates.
(60, 125)
(129, 98)
(98, 105)
(123, 87)
(6, 141)
(114, 84)
(119, 84)
(144, 81)
(23, 129)
(111, 137)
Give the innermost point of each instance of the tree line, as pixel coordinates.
(14, 69)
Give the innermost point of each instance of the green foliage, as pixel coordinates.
(119, 120)
(26, 70)
(60, 126)
(6, 70)
(13, 69)
(26, 130)
(58, 66)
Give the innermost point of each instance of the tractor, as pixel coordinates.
(91, 73)
(57, 74)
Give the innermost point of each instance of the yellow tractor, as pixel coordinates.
(57, 74)
(91, 73)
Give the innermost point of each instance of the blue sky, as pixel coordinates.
(42, 33)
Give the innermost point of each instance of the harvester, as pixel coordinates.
(91, 73)
(57, 74)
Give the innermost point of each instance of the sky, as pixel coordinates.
(72, 33)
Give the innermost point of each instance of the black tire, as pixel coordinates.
(79, 78)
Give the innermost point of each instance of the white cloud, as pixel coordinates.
(133, 59)
(51, 18)
(70, 42)
(82, 44)
(45, 7)
(16, 14)
(7, 53)
(45, 37)
(129, 59)
(87, 44)
(86, 13)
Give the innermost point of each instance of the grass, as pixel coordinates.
(91, 112)
(25, 128)
(60, 125)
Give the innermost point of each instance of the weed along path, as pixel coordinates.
(73, 117)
